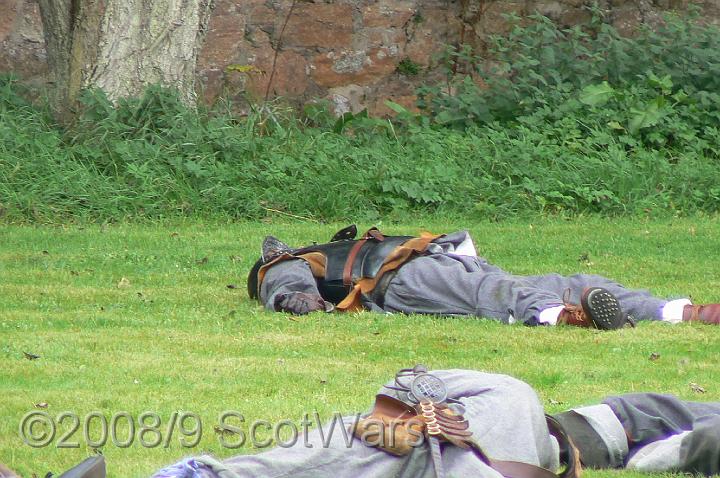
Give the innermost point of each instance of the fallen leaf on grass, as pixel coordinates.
(124, 282)
(221, 431)
(696, 388)
(30, 356)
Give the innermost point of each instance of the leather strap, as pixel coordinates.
(436, 455)
(569, 453)
(399, 256)
(512, 469)
(347, 270)
(516, 469)
(439, 422)
(433, 430)
(378, 293)
(372, 233)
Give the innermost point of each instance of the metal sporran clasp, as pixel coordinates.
(416, 384)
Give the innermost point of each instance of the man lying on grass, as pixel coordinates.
(443, 275)
(467, 423)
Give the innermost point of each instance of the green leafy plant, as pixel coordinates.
(657, 87)
(570, 122)
(408, 67)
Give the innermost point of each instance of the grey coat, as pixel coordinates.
(497, 407)
(643, 431)
(450, 279)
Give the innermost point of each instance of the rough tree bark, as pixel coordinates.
(122, 46)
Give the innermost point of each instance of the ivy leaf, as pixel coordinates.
(648, 116)
(664, 84)
(596, 95)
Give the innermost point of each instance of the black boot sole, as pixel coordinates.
(603, 308)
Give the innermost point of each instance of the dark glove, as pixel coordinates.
(300, 303)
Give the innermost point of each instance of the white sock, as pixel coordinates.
(672, 312)
(550, 316)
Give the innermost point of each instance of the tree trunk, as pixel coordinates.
(122, 46)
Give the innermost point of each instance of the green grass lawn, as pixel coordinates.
(141, 318)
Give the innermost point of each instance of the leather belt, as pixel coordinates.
(378, 293)
(372, 233)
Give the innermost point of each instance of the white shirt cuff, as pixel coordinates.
(672, 312)
(550, 316)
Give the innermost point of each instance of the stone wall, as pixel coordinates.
(346, 50)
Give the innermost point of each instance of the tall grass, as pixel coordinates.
(647, 142)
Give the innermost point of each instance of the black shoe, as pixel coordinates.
(93, 467)
(603, 308)
(598, 309)
(273, 247)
